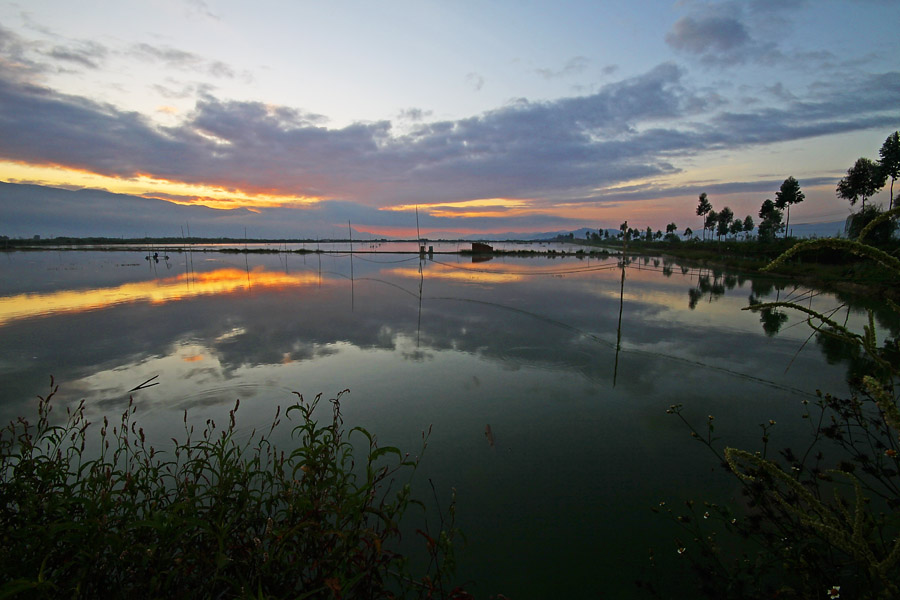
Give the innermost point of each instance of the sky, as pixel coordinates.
(483, 117)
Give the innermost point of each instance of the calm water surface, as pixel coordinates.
(560, 504)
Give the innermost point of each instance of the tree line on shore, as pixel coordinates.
(863, 180)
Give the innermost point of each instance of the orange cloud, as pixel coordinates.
(455, 208)
(149, 186)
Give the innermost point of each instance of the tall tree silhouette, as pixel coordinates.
(788, 194)
(712, 219)
(748, 226)
(863, 180)
(771, 220)
(703, 208)
(736, 227)
(723, 221)
(890, 161)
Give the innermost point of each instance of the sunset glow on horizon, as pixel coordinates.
(624, 111)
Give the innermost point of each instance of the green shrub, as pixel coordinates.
(821, 520)
(211, 518)
(880, 234)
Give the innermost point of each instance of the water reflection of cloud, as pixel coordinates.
(559, 327)
(169, 289)
(457, 274)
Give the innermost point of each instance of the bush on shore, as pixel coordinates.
(210, 518)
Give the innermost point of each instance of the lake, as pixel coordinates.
(571, 371)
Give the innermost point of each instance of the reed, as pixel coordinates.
(819, 518)
(212, 517)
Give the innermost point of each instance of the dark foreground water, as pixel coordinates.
(557, 501)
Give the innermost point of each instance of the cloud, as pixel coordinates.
(31, 57)
(731, 33)
(181, 59)
(86, 54)
(179, 90)
(475, 81)
(414, 114)
(14, 59)
(573, 66)
(202, 8)
(569, 148)
(708, 35)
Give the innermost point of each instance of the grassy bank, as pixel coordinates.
(86, 514)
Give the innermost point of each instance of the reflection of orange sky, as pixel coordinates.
(486, 272)
(169, 289)
(457, 275)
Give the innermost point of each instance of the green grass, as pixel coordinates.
(88, 515)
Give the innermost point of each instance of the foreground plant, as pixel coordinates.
(211, 518)
(824, 521)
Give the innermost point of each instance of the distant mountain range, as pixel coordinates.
(29, 210)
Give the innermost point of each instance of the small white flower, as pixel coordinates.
(834, 592)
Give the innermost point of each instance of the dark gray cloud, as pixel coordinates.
(85, 54)
(708, 35)
(413, 114)
(524, 149)
(14, 55)
(730, 33)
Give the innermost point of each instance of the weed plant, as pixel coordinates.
(212, 517)
(821, 520)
